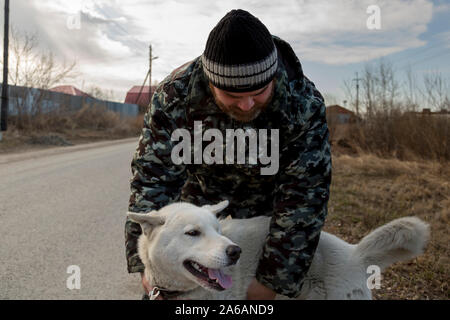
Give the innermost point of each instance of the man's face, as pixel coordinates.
(243, 106)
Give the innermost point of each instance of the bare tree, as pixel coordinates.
(368, 87)
(386, 129)
(380, 89)
(388, 85)
(349, 92)
(330, 99)
(33, 69)
(436, 90)
(410, 91)
(99, 93)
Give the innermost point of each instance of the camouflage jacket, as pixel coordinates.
(295, 197)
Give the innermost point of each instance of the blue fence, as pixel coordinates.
(32, 100)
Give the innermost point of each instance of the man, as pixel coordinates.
(245, 79)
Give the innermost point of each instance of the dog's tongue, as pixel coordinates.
(224, 280)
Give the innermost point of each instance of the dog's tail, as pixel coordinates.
(399, 240)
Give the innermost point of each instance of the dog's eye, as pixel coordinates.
(193, 233)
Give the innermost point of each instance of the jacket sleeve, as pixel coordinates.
(300, 203)
(156, 181)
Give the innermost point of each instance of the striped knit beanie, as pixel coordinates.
(240, 55)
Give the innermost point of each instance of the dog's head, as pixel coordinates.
(183, 247)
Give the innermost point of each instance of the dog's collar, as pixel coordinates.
(165, 293)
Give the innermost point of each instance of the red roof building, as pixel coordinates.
(339, 114)
(70, 90)
(144, 98)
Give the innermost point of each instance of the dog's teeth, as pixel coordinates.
(196, 266)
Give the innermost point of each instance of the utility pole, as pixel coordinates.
(151, 58)
(149, 75)
(4, 111)
(357, 93)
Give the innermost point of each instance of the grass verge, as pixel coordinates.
(368, 191)
(88, 124)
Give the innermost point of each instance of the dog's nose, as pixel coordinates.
(233, 252)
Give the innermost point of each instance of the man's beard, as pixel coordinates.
(243, 116)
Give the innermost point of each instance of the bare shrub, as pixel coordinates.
(100, 93)
(96, 117)
(404, 136)
(33, 67)
(391, 125)
(89, 118)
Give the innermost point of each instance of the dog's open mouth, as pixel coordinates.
(213, 278)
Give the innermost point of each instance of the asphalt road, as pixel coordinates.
(61, 207)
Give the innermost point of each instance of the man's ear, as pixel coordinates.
(216, 208)
(148, 221)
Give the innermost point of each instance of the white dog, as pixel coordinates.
(190, 254)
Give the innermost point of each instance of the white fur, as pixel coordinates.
(338, 270)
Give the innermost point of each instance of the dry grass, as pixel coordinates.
(395, 135)
(368, 191)
(88, 124)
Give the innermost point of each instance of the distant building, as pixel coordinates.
(144, 98)
(338, 114)
(73, 91)
(443, 113)
(25, 100)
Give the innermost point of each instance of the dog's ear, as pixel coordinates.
(148, 221)
(216, 208)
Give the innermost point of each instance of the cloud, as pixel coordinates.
(335, 32)
(441, 8)
(111, 45)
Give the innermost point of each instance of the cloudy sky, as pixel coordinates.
(110, 39)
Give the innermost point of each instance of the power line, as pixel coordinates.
(425, 59)
(423, 50)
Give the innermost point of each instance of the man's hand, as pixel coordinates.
(257, 291)
(147, 287)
